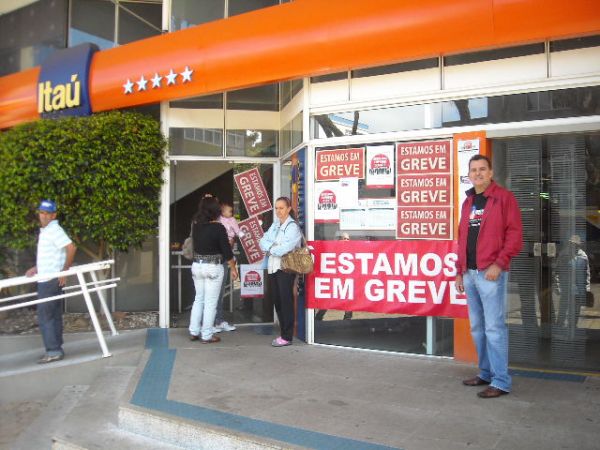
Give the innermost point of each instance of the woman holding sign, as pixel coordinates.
(211, 248)
(283, 237)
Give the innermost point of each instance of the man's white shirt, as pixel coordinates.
(51, 249)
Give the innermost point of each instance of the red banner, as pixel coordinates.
(424, 190)
(340, 163)
(253, 192)
(252, 234)
(392, 277)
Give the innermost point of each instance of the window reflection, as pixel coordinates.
(187, 13)
(242, 6)
(499, 109)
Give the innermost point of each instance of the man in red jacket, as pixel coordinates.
(489, 235)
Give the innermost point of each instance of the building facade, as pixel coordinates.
(342, 110)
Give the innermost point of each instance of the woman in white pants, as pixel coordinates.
(211, 248)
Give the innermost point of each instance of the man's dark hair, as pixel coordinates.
(479, 158)
(209, 209)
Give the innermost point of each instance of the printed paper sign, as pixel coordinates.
(252, 234)
(423, 157)
(424, 190)
(380, 168)
(348, 192)
(424, 223)
(252, 281)
(340, 163)
(253, 192)
(327, 209)
(393, 277)
(466, 150)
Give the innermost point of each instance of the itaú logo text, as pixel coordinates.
(60, 96)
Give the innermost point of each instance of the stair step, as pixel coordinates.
(38, 435)
(188, 434)
(93, 422)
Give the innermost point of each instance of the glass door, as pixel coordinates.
(190, 181)
(552, 317)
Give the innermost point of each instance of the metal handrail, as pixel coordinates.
(83, 289)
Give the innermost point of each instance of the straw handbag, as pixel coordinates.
(298, 260)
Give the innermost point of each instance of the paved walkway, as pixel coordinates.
(326, 398)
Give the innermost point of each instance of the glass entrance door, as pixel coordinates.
(553, 319)
(190, 181)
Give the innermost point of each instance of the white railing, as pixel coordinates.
(83, 288)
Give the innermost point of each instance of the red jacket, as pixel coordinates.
(500, 235)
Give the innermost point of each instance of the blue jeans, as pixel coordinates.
(487, 312)
(50, 317)
(207, 281)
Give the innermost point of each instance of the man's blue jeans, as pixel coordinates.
(50, 317)
(487, 313)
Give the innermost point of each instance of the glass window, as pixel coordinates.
(138, 21)
(187, 13)
(288, 90)
(397, 68)
(204, 102)
(261, 98)
(22, 45)
(196, 141)
(500, 109)
(252, 142)
(573, 44)
(243, 6)
(490, 55)
(92, 21)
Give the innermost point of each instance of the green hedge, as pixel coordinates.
(104, 172)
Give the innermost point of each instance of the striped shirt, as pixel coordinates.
(51, 249)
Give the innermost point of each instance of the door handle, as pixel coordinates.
(551, 249)
(537, 249)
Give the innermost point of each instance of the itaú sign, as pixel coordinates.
(63, 83)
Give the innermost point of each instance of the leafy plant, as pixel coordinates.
(104, 172)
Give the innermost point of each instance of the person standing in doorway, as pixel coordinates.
(211, 248)
(489, 236)
(55, 253)
(283, 236)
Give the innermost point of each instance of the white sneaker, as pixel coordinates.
(224, 326)
(217, 329)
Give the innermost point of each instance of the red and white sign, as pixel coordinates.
(392, 277)
(327, 207)
(253, 192)
(252, 234)
(340, 163)
(424, 190)
(380, 168)
(424, 223)
(252, 281)
(423, 157)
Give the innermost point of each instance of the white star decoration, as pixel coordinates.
(156, 80)
(171, 77)
(142, 84)
(186, 75)
(128, 87)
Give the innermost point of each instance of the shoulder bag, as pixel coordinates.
(188, 245)
(298, 260)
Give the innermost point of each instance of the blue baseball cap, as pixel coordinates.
(47, 206)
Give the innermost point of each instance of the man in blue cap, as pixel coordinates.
(55, 253)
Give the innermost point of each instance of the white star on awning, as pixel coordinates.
(171, 77)
(142, 84)
(156, 79)
(186, 75)
(128, 87)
